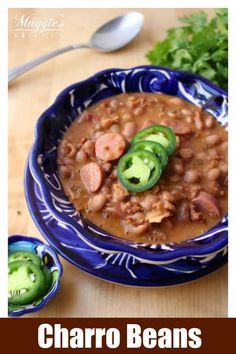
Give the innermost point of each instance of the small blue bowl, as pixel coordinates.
(49, 257)
(194, 254)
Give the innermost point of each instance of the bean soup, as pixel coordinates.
(190, 196)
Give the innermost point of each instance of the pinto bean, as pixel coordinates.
(201, 156)
(97, 202)
(114, 104)
(68, 161)
(178, 193)
(89, 147)
(198, 121)
(91, 176)
(109, 146)
(129, 130)
(107, 166)
(106, 123)
(191, 176)
(213, 174)
(67, 149)
(106, 191)
(126, 116)
(64, 171)
(81, 156)
(172, 114)
(209, 122)
(136, 230)
(186, 153)
(115, 128)
(223, 168)
(174, 178)
(148, 201)
(179, 168)
(212, 154)
(189, 119)
(97, 134)
(176, 101)
(212, 140)
(138, 111)
(119, 192)
(134, 199)
(224, 145)
(186, 112)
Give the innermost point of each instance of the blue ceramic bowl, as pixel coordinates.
(196, 253)
(50, 258)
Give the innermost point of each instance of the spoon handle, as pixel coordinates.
(21, 69)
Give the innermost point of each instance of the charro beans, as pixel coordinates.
(189, 198)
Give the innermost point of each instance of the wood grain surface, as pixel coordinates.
(82, 295)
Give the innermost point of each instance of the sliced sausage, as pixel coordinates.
(91, 176)
(206, 202)
(109, 146)
(180, 128)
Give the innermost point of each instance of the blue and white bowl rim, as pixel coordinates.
(166, 252)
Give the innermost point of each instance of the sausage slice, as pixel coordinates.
(91, 176)
(109, 146)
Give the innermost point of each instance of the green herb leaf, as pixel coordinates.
(199, 46)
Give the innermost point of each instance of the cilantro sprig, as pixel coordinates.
(199, 46)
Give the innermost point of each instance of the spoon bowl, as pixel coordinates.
(117, 33)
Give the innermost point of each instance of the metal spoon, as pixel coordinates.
(113, 35)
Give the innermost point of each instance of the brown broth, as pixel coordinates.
(138, 108)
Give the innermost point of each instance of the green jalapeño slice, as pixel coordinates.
(159, 134)
(25, 256)
(139, 170)
(156, 148)
(25, 282)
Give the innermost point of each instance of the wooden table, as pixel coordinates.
(82, 295)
